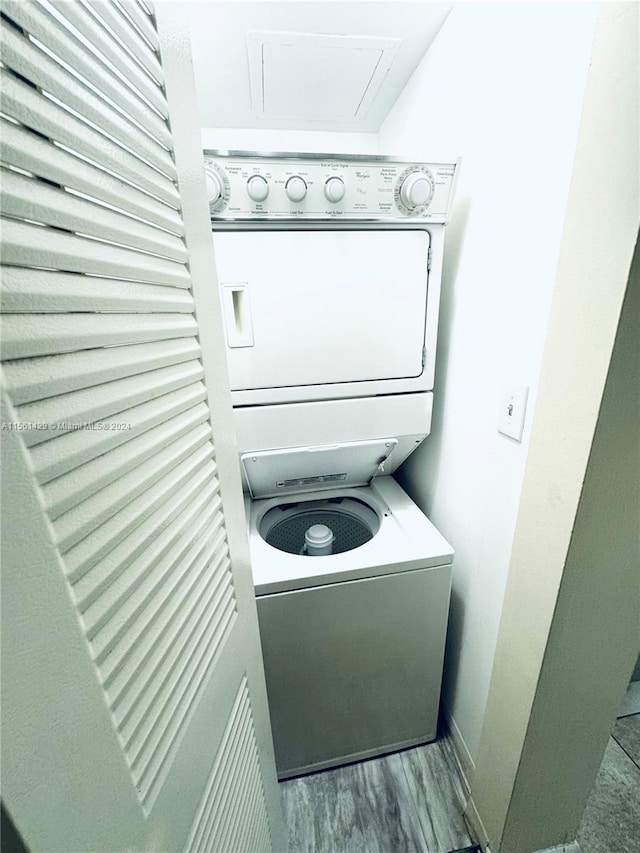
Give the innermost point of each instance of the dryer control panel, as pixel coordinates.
(244, 186)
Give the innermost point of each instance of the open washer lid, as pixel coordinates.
(271, 473)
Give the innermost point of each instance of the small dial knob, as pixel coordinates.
(296, 188)
(257, 188)
(214, 187)
(416, 190)
(334, 190)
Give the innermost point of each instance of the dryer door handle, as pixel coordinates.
(237, 314)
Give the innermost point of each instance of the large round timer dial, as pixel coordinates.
(217, 188)
(414, 190)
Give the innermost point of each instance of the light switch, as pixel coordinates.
(513, 407)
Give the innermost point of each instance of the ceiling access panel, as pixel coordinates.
(316, 76)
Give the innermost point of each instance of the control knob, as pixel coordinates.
(214, 186)
(334, 190)
(295, 188)
(416, 190)
(257, 188)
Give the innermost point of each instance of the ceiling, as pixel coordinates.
(307, 64)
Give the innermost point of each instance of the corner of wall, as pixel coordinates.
(563, 620)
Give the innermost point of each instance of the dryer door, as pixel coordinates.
(311, 308)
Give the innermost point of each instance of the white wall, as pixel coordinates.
(502, 86)
(303, 141)
(569, 627)
(226, 71)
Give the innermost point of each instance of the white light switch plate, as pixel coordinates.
(513, 407)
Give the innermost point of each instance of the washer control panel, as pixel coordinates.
(247, 186)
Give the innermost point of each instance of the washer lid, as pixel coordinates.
(271, 473)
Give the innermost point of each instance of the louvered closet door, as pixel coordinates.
(134, 709)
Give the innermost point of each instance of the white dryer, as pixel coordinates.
(329, 274)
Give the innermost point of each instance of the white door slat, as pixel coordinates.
(140, 17)
(28, 291)
(238, 791)
(168, 717)
(30, 198)
(141, 621)
(23, 56)
(116, 22)
(243, 815)
(211, 796)
(129, 70)
(59, 250)
(222, 792)
(79, 484)
(63, 454)
(190, 667)
(51, 375)
(156, 703)
(90, 585)
(36, 20)
(174, 701)
(87, 553)
(253, 827)
(225, 783)
(27, 106)
(177, 583)
(154, 762)
(27, 335)
(135, 699)
(82, 520)
(145, 614)
(81, 409)
(123, 625)
(21, 148)
(226, 829)
(186, 579)
(255, 833)
(145, 579)
(239, 817)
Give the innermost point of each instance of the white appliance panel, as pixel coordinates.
(323, 307)
(354, 669)
(376, 189)
(290, 470)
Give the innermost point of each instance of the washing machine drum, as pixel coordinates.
(293, 527)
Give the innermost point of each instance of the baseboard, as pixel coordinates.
(463, 757)
(476, 825)
(466, 766)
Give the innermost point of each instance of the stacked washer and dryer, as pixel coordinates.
(329, 273)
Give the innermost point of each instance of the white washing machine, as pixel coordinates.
(353, 643)
(329, 275)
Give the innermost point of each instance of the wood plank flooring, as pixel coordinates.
(407, 802)
(611, 821)
(413, 801)
(627, 732)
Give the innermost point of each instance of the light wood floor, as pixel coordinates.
(408, 802)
